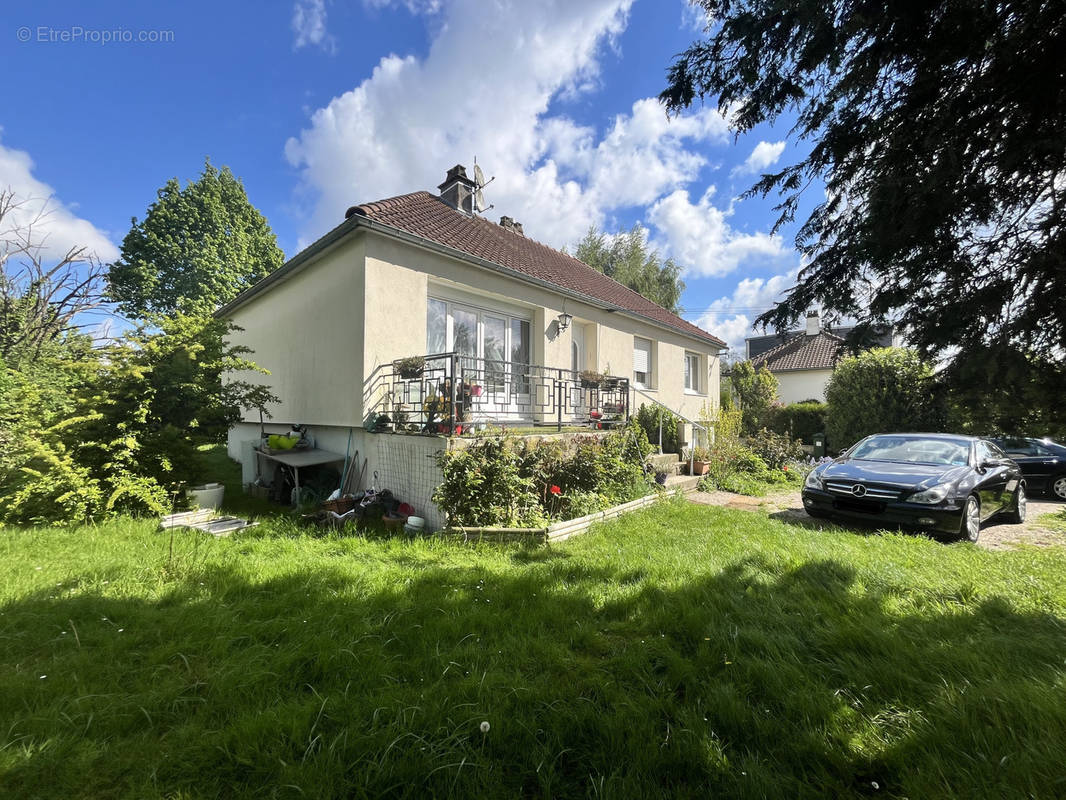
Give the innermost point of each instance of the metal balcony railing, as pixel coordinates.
(448, 393)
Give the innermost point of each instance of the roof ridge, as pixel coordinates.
(384, 204)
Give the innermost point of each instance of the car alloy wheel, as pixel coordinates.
(1017, 514)
(1058, 487)
(971, 519)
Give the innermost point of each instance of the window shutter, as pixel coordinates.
(641, 355)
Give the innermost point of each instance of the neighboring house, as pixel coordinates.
(506, 325)
(802, 361)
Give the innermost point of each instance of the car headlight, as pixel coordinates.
(813, 481)
(933, 494)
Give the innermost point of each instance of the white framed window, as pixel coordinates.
(642, 363)
(692, 372)
(501, 341)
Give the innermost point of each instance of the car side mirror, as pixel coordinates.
(990, 463)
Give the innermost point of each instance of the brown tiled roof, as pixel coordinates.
(802, 352)
(427, 216)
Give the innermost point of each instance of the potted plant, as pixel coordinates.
(701, 461)
(590, 379)
(410, 367)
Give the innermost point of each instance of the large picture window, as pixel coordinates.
(496, 346)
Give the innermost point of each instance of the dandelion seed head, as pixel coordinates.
(484, 725)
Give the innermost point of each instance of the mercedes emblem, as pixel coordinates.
(858, 490)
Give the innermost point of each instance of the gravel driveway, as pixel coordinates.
(996, 534)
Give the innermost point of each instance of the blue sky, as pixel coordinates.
(318, 105)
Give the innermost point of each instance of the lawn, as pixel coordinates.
(684, 651)
(1056, 520)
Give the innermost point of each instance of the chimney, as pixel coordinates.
(814, 323)
(507, 223)
(458, 190)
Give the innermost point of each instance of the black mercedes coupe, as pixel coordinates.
(930, 481)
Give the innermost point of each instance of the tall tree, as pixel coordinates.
(939, 132)
(628, 259)
(197, 248)
(43, 300)
(755, 391)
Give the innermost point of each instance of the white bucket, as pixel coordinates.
(209, 495)
(414, 525)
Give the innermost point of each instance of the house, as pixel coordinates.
(501, 328)
(802, 361)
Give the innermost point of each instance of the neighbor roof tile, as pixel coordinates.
(802, 352)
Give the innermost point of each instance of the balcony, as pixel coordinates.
(450, 393)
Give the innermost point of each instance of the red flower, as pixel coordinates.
(785, 469)
(555, 489)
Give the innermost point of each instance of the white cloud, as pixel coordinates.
(401, 128)
(309, 25)
(55, 224)
(413, 6)
(763, 156)
(695, 17)
(730, 318)
(698, 236)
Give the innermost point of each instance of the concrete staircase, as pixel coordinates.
(674, 467)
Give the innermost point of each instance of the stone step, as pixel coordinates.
(663, 460)
(682, 482)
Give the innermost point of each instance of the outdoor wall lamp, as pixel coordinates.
(564, 320)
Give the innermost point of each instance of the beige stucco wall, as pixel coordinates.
(795, 387)
(308, 332)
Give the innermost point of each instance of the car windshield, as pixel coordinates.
(913, 449)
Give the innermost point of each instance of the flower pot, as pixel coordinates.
(701, 467)
(209, 495)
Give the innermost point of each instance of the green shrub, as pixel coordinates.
(774, 449)
(756, 392)
(800, 420)
(885, 390)
(503, 481)
(482, 485)
(649, 418)
(92, 433)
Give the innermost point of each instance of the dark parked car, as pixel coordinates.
(1043, 463)
(935, 482)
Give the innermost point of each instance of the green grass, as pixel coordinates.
(684, 651)
(1056, 520)
(754, 485)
